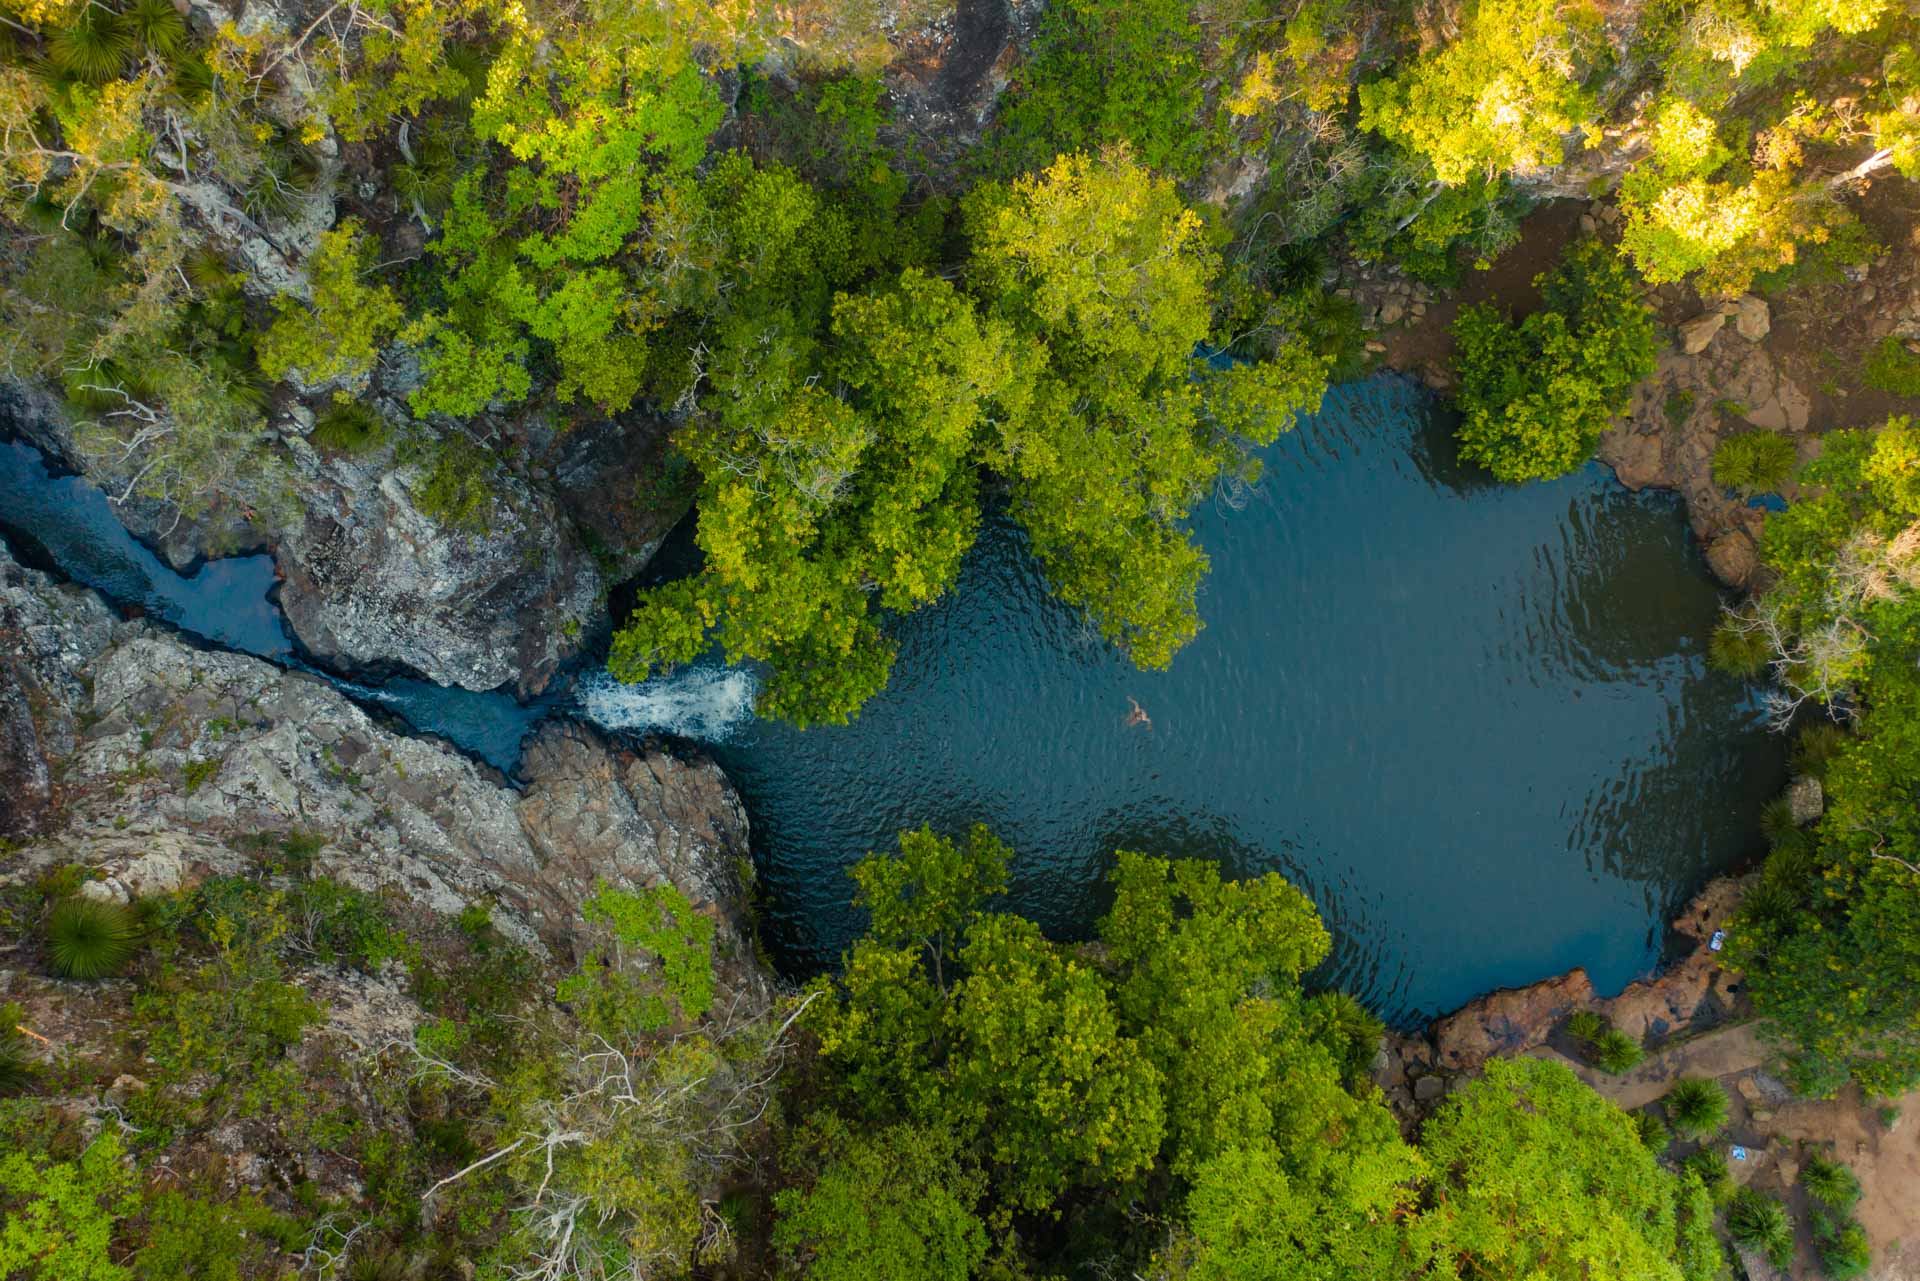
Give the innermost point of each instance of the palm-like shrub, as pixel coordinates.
(1586, 1026)
(1710, 1164)
(1777, 823)
(1830, 1183)
(1761, 1223)
(1815, 746)
(1616, 1052)
(1738, 650)
(156, 25)
(1697, 1107)
(1753, 462)
(1844, 1251)
(94, 47)
(88, 939)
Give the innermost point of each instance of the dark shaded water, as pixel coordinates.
(1473, 721)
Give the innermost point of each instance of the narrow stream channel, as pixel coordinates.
(1474, 721)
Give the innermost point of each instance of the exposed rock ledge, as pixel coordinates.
(1691, 994)
(155, 763)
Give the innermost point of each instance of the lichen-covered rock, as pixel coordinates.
(1806, 799)
(173, 761)
(374, 582)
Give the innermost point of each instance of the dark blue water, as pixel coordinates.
(223, 601)
(1473, 721)
(228, 602)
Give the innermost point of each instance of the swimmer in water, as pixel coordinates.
(1138, 715)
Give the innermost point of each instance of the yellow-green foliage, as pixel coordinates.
(1500, 98)
(1071, 373)
(334, 335)
(1535, 396)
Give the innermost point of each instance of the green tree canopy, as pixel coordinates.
(841, 436)
(1535, 396)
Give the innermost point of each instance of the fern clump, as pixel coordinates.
(88, 939)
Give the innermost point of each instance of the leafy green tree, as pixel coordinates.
(1107, 72)
(1831, 945)
(1536, 1175)
(1502, 97)
(1534, 397)
(841, 435)
(1042, 1068)
(817, 509)
(895, 1202)
(1249, 1220)
(1126, 429)
(336, 335)
(928, 896)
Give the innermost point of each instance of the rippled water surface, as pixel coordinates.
(1473, 721)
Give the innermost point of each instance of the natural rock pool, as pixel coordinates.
(1475, 722)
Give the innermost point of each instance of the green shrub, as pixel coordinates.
(1830, 1183)
(1815, 747)
(1737, 649)
(1535, 396)
(1777, 822)
(1711, 1167)
(1653, 1133)
(1616, 1052)
(1586, 1026)
(1761, 1222)
(88, 939)
(1697, 1107)
(458, 490)
(1754, 462)
(1845, 1252)
(1892, 368)
(348, 427)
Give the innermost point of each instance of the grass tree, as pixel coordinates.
(1697, 1108)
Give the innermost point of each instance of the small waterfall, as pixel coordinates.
(705, 703)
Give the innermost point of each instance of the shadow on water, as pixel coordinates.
(1473, 721)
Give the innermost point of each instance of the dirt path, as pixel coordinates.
(1723, 1052)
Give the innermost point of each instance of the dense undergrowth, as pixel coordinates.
(967, 1099)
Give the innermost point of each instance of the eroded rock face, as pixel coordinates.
(1509, 1021)
(173, 760)
(373, 581)
(1677, 417)
(1692, 993)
